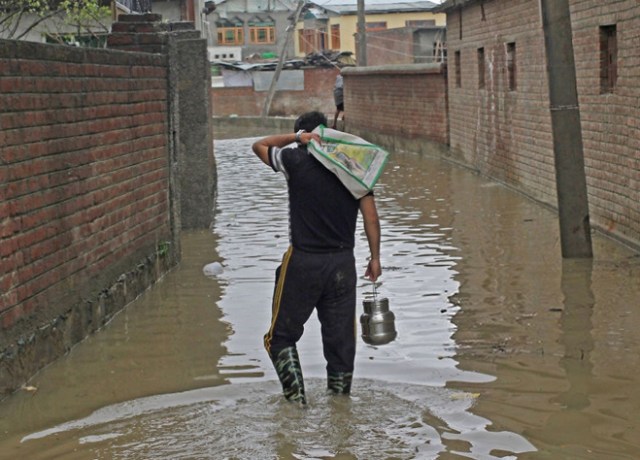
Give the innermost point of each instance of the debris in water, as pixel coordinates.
(213, 269)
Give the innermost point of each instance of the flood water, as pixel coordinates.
(504, 350)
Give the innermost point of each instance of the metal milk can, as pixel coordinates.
(378, 322)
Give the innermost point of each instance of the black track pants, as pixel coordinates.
(327, 282)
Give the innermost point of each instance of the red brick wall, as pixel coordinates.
(610, 122)
(405, 102)
(504, 134)
(84, 173)
(507, 134)
(241, 101)
(244, 101)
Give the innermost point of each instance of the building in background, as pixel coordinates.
(249, 28)
(332, 24)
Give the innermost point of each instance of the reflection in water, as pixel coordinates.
(576, 327)
(503, 351)
(558, 335)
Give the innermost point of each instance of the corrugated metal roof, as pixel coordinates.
(449, 5)
(315, 13)
(374, 6)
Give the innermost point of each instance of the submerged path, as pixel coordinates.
(504, 350)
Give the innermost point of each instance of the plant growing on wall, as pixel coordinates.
(76, 22)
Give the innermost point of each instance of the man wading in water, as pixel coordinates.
(318, 270)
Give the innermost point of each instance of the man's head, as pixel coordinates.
(309, 121)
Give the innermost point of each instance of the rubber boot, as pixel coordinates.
(339, 383)
(289, 372)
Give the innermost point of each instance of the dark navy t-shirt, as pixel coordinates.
(322, 212)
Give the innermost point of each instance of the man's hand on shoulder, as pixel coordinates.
(305, 138)
(261, 147)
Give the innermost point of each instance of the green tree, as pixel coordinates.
(63, 21)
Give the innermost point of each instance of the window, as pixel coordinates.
(230, 32)
(312, 40)
(608, 59)
(262, 35)
(439, 51)
(303, 44)
(457, 69)
(335, 36)
(262, 31)
(481, 67)
(306, 40)
(230, 36)
(511, 66)
(420, 23)
(321, 39)
(375, 26)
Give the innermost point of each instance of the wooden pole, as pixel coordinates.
(361, 56)
(274, 81)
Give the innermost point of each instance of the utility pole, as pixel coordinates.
(362, 36)
(571, 182)
(274, 81)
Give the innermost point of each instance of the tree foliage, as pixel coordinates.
(61, 20)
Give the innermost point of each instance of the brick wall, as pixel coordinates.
(193, 182)
(84, 207)
(401, 107)
(506, 134)
(244, 101)
(610, 121)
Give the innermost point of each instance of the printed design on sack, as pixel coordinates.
(356, 162)
(355, 158)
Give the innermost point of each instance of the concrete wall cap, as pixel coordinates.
(435, 68)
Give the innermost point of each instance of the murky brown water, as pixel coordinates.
(504, 350)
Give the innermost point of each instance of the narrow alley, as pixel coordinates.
(504, 350)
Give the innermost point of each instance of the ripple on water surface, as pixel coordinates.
(252, 421)
(531, 347)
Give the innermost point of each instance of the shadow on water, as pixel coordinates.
(504, 350)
